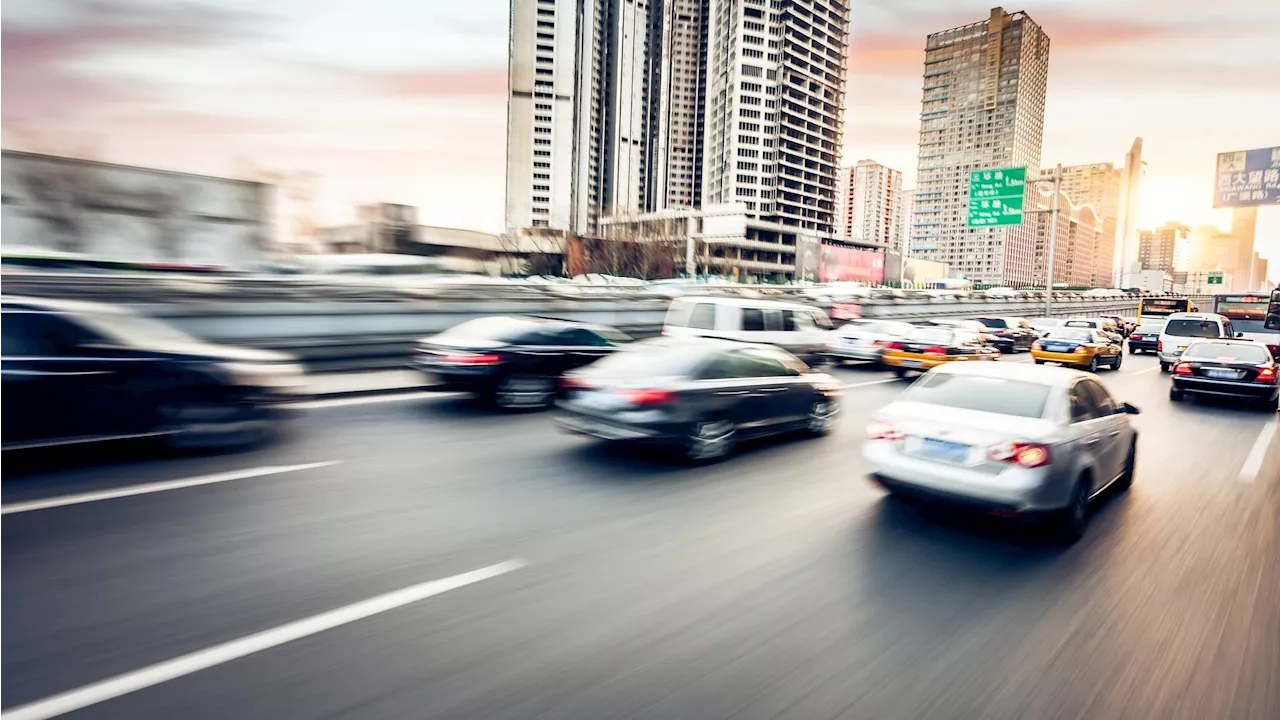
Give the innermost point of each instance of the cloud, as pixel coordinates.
(39, 75)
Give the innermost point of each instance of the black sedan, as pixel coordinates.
(1010, 334)
(698, 395)
(1145, 338)
(76, 372)
(1229, 368)
(513, 361)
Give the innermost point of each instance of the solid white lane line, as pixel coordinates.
(869, 382)
(78, 498)
(1253, 463)
(235, 649)
(371, 399)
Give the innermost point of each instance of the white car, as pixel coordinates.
(866, 339)
(802, 330)
(1180, 329)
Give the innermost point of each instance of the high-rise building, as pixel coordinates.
(902, 222)
(1167, 248)
(1131, 177)
(678, 78)
(1079, 231)
(578, 112)
(1097, 186)
(1244, 223)
(983, 107)
(870, 200)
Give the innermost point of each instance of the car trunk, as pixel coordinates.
(961, 436)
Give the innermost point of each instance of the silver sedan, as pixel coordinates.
(1013, 441)
(866, 339)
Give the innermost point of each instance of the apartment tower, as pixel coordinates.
(871, 197)
(983, 107)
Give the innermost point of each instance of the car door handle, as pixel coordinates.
(1091, 440)
(1113, 433)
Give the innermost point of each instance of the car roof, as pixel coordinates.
(1038, 374)
(13, 302)
(1227, 341)
(1195, 316)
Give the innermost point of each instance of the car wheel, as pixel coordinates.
(900, 372)
(822, 415)
(1175, 394)
(198, 422)
(1070, 522)
(1164, 367)
(521, 392)
(711, 440)
(1038, 362)
(1093, 364)
(1130, 465)
(1115, 364)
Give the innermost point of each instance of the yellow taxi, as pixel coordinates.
(1083, 348)
(929, 347)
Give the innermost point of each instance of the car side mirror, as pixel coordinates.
(1239, 334)
(1127, 409)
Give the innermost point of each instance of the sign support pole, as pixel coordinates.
(1053, 241)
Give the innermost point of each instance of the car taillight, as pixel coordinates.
(935, 350)
(1080, 350)
(471, 359)
(893, 346)
(881, 430)
(1182, 368)
(1028, 455)
(573, 383)
(1159, 346)
(647, 397)
(879, 343)
(1266, 375)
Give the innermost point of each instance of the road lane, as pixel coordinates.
(775, 583)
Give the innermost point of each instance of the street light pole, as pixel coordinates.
(1053, 241)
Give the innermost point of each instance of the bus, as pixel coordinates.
(1159, 307)
(1254, 315)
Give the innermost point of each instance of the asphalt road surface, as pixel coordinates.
(426, 558)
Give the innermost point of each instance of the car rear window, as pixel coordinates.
(1082, 323)
(985, 394)
(1152, 329)
(1184, 327)
(649, 359)
(1071, 335)
(500, 329)
(997, 323)
(1226, 352)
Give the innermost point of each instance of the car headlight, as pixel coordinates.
(264, 374)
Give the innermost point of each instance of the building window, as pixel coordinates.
(541, 188)
(541, 199)
(746, 179)
(542, 153)
(752, 71)
(542, 130)
(546, 165)
(541, 141)
(541, 176)
(749, 100)
(751, 87)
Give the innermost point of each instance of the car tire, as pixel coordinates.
(1038, 362)
(1164, 366)
(1069, 523)
(710, 440)
(899, 372)
(196, 422)
(1175, 394)
(523, 392)
(1115, 364)
(1093, 364)
(822, 415)
(1130, 466)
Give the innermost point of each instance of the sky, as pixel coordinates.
(405, 101)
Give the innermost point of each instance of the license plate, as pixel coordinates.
(913, 363)
(1058, 348)
(596, 399)
(1219, 374)
(944, 450)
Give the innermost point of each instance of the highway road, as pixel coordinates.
(425, 558)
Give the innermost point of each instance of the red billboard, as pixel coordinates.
(842, 264)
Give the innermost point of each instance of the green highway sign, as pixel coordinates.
(996, 196)
(1215, 280)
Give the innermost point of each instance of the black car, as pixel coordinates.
(699, 395)
(1010, 334)
(1230, 368)
(1145, 338)
(77, 371)
(513, 361)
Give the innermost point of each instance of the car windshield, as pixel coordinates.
(1149, 329)
(1072, 335)
(1185, 327)
(986, 394)
(501, 329)
(1225, 352)
(136, 330)
(997, 323)
(931, 334)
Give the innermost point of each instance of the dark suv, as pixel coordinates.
(77, 371)
(1010, 334)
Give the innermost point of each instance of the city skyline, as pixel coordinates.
(214, 89)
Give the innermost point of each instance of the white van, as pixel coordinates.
(799, 329)
(1180, 329)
